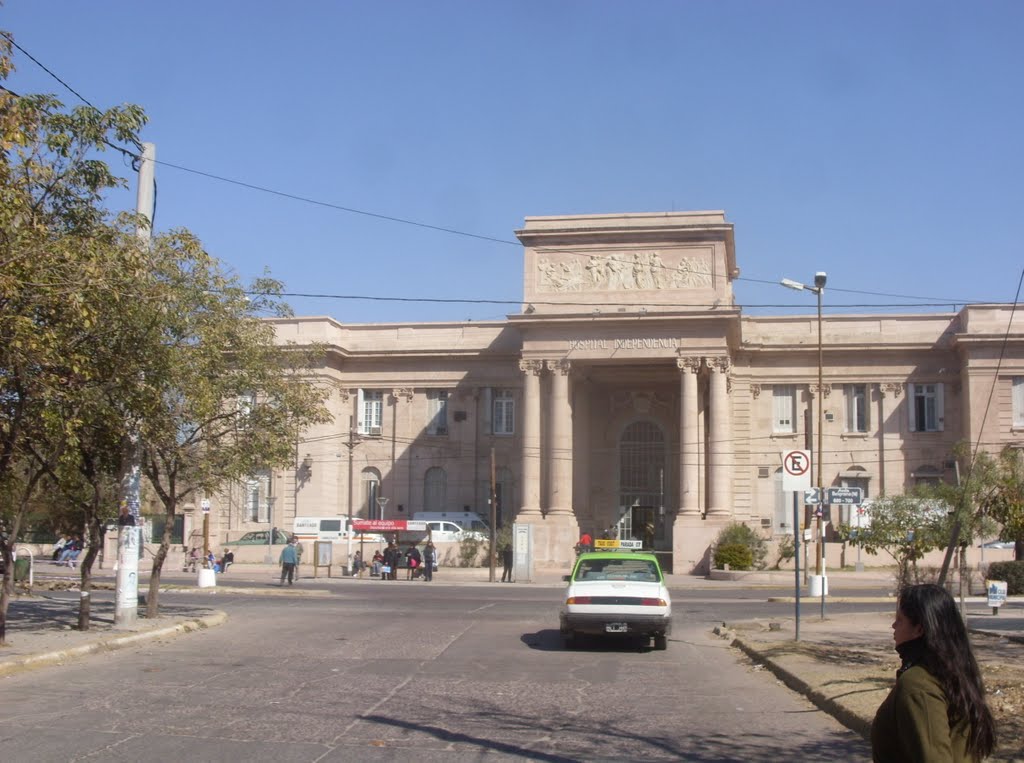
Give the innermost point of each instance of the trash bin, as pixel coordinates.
(21, 567)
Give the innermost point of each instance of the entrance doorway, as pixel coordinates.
(642, 480)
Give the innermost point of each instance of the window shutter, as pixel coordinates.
(360, 412)
(488, 410)
(940, 407)
(911, 408)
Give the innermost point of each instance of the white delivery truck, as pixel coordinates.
(469, 521)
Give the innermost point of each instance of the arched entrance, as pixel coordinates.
(642, 480)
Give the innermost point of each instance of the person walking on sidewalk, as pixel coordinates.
(289, 558)
(506, 562)
(429, 561)
(937, 710)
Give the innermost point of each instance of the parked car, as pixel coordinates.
(1003, 544)
(262, 538)
(616, 593)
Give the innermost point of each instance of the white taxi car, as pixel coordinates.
(617, 592)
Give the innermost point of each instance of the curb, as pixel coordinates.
(117, 642)
(848, 718)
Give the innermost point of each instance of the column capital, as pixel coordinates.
(893, 388)
(399, 392)
(561, 366)
(826, 390)
(531, 366)
(688, 363)
(755, 390)
(720, 363)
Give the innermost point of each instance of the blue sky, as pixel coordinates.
(878, 141)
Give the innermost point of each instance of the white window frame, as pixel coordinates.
(257, 503)
(503, 413)
(437, 412)
(783, 408)
(857, 397)
(930, 397)
(1017, 401)
(370, 412)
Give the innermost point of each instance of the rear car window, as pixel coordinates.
(642, 570)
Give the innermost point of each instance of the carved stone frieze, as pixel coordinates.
(621, 271)
(755, 390)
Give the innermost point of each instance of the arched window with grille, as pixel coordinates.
(435, 487)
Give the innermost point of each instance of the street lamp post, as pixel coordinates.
(381, 502)
(818, 290)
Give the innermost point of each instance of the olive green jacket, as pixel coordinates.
(911, 725)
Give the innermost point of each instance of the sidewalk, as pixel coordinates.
(846, 664)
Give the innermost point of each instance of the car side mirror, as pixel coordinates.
(566, 578)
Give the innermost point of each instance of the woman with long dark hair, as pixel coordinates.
(937, 710)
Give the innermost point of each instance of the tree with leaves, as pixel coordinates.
(60, 262)
(906, 526)
(1003, 501)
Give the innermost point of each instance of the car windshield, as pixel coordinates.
(626, 568)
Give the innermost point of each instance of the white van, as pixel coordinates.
(331, 529)
(467, 520)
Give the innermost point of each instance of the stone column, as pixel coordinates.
(720, 461)
(689, 443)
(531, 438)
(560, 451)
(892, 468)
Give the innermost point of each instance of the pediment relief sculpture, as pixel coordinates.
(622, 271)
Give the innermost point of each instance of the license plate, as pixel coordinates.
(616, 628)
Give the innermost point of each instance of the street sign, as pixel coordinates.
(205, 505)
(796, 470)
(812, 497)
(846, 496)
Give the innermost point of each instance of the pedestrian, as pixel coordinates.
(226, 560)
(58, 547)
(429, 561)
(937, 709)
(506, 562)
(586, 543)
(413, 560)
(298, 555)
(357, 563)
(288, 560)
(389, 571)
(377, 562)
(125, 518)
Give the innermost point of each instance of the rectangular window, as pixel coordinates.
(784, 402)
(370, 407)
(437, 412)
(926, 408)
(257, 504)
(503, 414)
(856, 407)
(1018, 401)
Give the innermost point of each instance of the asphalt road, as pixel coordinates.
(424, 673)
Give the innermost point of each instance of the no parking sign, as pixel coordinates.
(796, 470)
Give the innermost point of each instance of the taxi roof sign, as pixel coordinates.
(614, 544)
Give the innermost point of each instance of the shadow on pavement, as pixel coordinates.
(550, 640)
(59, 614)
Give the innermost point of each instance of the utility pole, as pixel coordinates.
(129, 538)
(353, 440)
(494, 517)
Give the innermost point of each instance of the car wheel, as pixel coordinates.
(660, 642)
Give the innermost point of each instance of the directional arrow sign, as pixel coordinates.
(812, 497)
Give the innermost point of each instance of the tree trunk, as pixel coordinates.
(6, 591)
(85, 602)
(153, 598)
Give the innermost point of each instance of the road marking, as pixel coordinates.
(485, 606)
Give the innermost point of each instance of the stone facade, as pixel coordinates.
(630, 394)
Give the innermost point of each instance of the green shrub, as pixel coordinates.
(739, 533)
(1011, 572)
(736, 555)
(786, 550)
